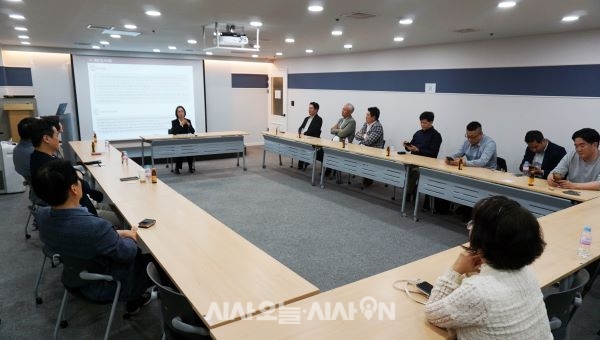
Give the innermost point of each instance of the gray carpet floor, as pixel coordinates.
(331, 237)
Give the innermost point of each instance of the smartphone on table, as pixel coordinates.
(146, 223)
(425, 287)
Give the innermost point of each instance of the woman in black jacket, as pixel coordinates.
(182, 125)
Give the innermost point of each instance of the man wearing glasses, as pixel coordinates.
(478, 150)
(579, 169)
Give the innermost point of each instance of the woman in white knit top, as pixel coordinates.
(490, 293)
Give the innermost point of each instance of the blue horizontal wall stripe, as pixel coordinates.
(15, 76)
(257, 81)
(571, 80)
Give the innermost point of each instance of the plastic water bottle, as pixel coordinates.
(585, 242)
(526, 168)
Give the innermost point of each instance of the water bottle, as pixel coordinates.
(585, 242)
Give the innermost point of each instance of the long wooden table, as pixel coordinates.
(559, 260)
(199, 144)
(211, 264)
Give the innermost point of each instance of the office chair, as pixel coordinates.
(73, 269)
(179, 321)
(54, 262)
(562, 304)
(35, 203)
(501, 164)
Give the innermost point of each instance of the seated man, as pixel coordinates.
(343, 129)
(44, 137)
(579, 169)
(542, 154)
(70, 230)
(23, 150)
(478, 150)
(311, 126)
(425, 142)
(371, 134)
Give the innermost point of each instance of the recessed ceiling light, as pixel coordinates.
(22, 29)
(192, 41)
(348, 46)
(115, 36)
(172, 47)
(104, 42)
(209, 53)
(96, 47)
(398, 39)
(278, 53)
(256, 23)
(23, 37)
(406, 21)
(289, 40)
(14, 0)
(155, 50)
(507, 4)
(130, 26)
(568, 18)
(153, 13)
(25, 43)
(315, 8)
(255, 56)
(336, 32)
(16, 16)
(309, 51)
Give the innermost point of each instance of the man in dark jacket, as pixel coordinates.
(311, 126)
(541, 154)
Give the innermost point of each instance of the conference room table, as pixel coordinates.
(559, 260)
(296, 146)
(470, 184)
(213, 266)
(198, 144)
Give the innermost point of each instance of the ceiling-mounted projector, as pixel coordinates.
(226, 37)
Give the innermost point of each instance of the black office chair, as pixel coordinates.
(179, 320)
(82, 271)
(562, 304)
(501, 164)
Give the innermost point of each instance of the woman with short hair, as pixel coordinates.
(489, 292)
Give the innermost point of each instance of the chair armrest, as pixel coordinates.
(187, 328)
(555, 323)
(94, 276)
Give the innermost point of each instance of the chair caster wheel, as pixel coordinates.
(264, 166)
(27, 237)
(393, 198)
(64, 324)
(38, 300)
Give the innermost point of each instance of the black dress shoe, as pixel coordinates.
(192, 170)
(177, 171)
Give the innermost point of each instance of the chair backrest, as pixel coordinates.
(173, 305)
(501, 164)
(562, 305)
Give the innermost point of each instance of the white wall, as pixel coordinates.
(51, 75)
(230, 108)
(504, 118)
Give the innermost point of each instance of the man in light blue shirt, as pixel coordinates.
(478, 150)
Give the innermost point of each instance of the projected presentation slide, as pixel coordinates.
(124, 98)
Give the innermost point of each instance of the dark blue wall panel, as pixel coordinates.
(572, 80)
(254, 81)
(15, 76)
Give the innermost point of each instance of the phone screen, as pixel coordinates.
(425, 287)
(449, 159)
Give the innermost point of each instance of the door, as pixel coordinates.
(277, 99)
